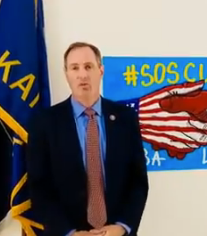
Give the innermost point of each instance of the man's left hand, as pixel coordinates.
(110, 230)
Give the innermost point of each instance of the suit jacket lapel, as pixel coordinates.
(111, 128)
(69, 137)
(116, 149)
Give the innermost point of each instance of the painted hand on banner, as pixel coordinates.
(175, 118)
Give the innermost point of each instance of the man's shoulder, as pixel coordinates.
(46, 114)
(58, 107)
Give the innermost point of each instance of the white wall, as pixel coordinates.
(177, 204)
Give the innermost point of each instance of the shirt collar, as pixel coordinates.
(78, 108)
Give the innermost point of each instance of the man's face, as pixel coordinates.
(83, 72)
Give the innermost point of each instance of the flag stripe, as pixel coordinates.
(169, 118)
(160, 141)
(200, 137)
(151, 111)
(167, 128)
(180, 89)
(183, 139)
(170, 123)
(150, 105)
(163, 114)
(143, 105)
(166, 146)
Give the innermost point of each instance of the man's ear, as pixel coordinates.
(102, 69)
(65, 69)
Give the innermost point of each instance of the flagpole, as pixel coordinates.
(23, 233)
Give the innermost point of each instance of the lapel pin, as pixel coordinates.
(112, 117)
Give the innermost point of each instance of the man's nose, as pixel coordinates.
(82, 73)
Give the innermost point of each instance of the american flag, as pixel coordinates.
(173, 118)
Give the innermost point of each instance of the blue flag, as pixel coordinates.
(24, 89)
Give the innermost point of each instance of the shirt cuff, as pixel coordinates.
(126, 227)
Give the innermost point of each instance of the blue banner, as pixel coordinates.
(170, 98)
(24, 90)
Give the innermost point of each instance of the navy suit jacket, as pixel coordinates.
(57, 178)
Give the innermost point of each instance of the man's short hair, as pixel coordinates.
(80, 45)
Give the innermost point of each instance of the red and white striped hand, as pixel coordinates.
(175, 118)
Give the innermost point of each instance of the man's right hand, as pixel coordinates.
(87, 233)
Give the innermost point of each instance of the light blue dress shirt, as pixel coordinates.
(81, 121)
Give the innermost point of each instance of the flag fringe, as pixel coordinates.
(13, 124)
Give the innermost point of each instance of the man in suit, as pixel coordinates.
(86, 165)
